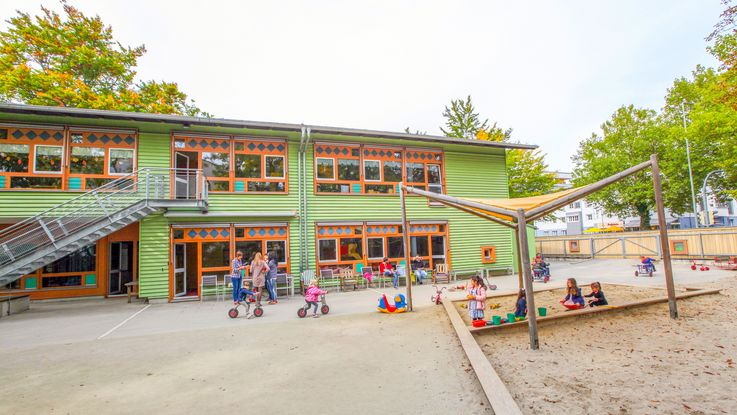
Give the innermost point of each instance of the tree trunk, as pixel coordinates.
(643, 211)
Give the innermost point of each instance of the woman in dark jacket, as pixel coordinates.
(271, 276)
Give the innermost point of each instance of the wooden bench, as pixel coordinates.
(129, 288)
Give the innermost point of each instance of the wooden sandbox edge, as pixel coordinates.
(496, 391)
(603, 309)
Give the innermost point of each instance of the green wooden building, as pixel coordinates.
(91, 200)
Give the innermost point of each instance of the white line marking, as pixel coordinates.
(124, 321)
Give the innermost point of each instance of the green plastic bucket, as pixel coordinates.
(511, 318)
(496, 320)
(542, 311)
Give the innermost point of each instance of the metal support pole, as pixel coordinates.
(405, 238)
(688, 159)
(520, 271)
(664, 238)
(624, 248)
(525, 254)
(593, 248)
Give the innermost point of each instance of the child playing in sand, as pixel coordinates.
(573, 294)
(476, 298)
(311, 296)
(520, 309)
(598, 295)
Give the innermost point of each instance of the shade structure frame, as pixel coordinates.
(519, 218)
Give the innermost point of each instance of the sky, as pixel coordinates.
(553, 71)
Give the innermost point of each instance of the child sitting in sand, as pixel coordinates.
(520, 309)
(476, 298)
(573, 294)
(598, 295)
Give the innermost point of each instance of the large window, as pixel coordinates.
(340, 245)
(263, 239)
(49, 158)
(359, 169)
(337, 168)
(236, 164)
(98, 157)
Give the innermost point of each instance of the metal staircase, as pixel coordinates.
(65, 228)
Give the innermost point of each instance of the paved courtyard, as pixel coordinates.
(105, 356)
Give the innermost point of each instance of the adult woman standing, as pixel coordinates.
(236, 266)
(259, 268)
(271, 276)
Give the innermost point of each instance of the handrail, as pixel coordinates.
(60, 221)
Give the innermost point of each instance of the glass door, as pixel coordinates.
(180, 270)
(438, 249)
(184, 179)
(121, 267)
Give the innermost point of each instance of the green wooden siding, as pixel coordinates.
(153, 257)
(470, 172)
(467, 175)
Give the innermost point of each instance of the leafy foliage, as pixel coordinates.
(73, 60)
(629, 138)
(526, 170)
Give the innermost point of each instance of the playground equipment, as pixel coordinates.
(435, 298)
(324, 307)
(399, 306)
(245, 302)
(729, 263)
(644, 269)
(702, 266)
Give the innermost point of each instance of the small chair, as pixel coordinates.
(347, 278)
(304, 281)
(212, 281)
(287, 283)
(441, 274)
(328, 278)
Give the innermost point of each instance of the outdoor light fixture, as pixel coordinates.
(186, 125)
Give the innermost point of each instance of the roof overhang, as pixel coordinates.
(257, 125)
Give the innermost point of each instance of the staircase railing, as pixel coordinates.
(102, 203)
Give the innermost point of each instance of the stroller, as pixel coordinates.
(245, 296)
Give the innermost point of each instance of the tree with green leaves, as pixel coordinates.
(72, 60)
(526, 170)
(628, 138)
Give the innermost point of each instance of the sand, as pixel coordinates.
(615, 294)
(629, 362)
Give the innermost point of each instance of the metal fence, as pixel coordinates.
(99, 204)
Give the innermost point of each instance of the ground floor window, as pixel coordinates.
(208, 250)
(76, 270)
(343, 245)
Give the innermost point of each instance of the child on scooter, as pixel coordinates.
(312, 294)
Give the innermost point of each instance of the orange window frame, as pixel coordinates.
(382, 155)
(33, 136)
(107, 140)
(264, 238)
(426, 158)
(263, 147)
(337, 152)
(347, 231)
(674, 242)
(488, 254)
(199, 239)
(379, 154)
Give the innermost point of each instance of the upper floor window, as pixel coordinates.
(573, 218)
(44, 158)
(337, 168)
(98, 157)
(235, 164)
(363, 169)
